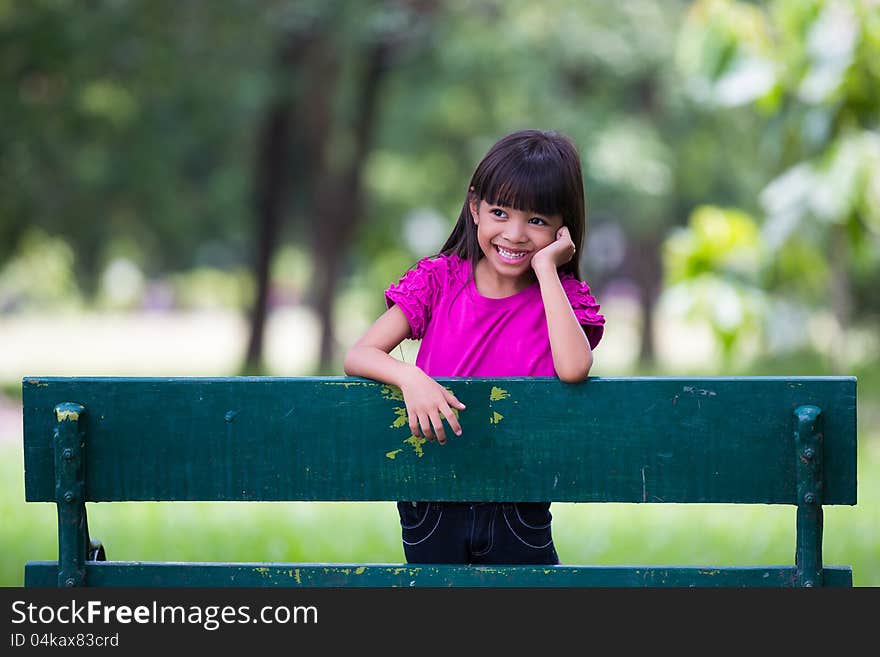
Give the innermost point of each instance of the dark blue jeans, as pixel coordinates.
(477, 532)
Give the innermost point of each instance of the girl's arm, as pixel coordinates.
(572, 356)
(425, 399)
(369, 356)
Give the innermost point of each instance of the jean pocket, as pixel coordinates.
(418, 520)
(530, 523)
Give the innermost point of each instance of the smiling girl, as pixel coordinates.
(503, 297)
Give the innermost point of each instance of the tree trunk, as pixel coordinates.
(339, 203)
(333, 207)
(647, 264)
(272, 169)
(276, 172)
(647, 271)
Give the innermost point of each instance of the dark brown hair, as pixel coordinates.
(530, 170)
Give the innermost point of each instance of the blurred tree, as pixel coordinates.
(602, 74)
(124, 125)
(40, 274)
(810, 70)
(315, 138)
(208, 134)
(713, 269)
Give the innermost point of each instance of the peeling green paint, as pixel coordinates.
(454, 410)
(38, 383)
(297, 577)
(393, 453)
(392, 392)
(401, 418)
(62, 415)
(497, 394)
(496, 417)
(360, 571)
(346, 384)
(417, 443)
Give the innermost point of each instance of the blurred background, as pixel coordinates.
(225, 188)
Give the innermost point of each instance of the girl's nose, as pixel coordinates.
(514, 232)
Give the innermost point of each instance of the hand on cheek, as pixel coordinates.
(558, 252)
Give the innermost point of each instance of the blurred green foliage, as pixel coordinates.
(39, 275)
(809, 69)
(130, 145)
(716, 240)
(713, 268)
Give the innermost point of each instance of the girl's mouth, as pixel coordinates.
(510, 255)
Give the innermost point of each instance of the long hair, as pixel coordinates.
(530, 170)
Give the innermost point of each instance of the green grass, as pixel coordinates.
(369, 532)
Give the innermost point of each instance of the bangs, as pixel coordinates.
(534, 171)
(530, 185)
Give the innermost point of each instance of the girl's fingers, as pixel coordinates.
(453, 400)
(453, 421)
(429, 423)
(413, 423)
(438, 428)
(426, 427)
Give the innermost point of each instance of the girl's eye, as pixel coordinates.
(498, 212)
(539, 221)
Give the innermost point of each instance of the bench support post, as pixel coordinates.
(70, 484)
(808, 445)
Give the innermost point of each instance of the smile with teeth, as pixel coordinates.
(509, 255)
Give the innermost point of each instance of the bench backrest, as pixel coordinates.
(607, 440)
(708, 440)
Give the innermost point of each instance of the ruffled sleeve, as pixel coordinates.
(417, 291)
(585, 307)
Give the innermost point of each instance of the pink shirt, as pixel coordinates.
(464, 333)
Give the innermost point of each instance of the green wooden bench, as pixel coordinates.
(763, 440)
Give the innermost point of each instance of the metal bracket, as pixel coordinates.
(70, 485)
(808, 440)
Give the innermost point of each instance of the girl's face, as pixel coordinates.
(510, 238)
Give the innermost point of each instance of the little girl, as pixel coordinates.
(503, 297)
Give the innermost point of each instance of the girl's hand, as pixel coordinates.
(426, 401)
(556, 253)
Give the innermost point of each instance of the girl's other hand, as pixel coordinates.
(556, 253)
(427, 403)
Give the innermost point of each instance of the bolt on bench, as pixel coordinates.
(741, 440)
